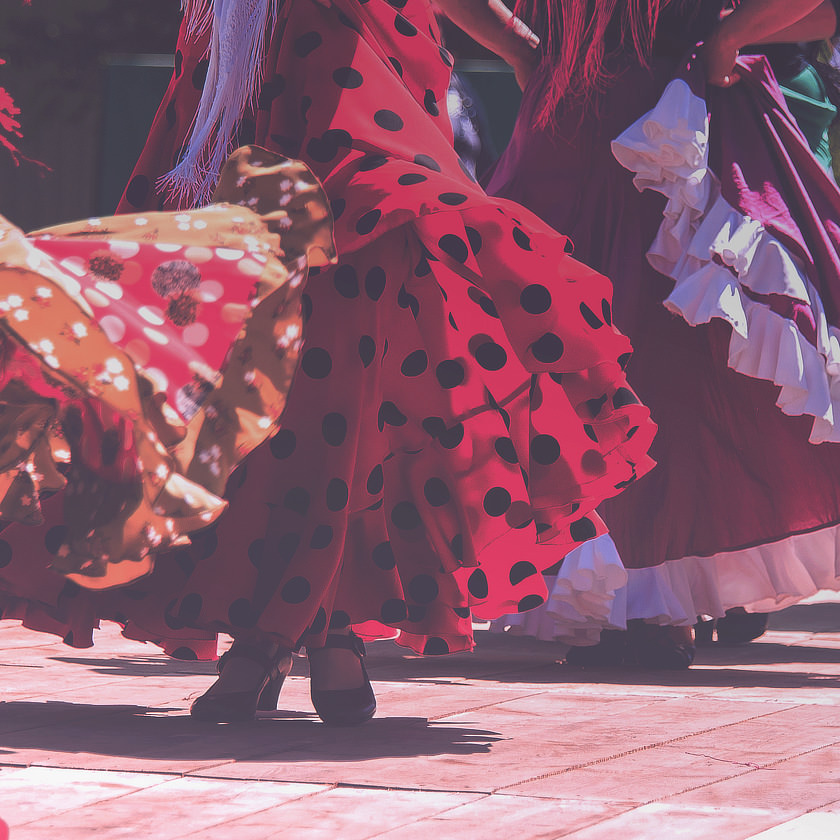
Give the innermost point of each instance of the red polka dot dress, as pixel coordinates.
(460, 408)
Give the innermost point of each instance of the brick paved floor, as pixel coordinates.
(504, 743)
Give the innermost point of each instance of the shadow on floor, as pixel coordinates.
(154, 734)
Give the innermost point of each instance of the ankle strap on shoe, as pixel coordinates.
(349, 642)
(243, 650)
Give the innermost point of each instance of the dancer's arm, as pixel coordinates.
(761, 22)
(494, 26)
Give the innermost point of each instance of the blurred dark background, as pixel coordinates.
(88, 75)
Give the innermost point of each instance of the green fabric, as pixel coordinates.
(806, 97)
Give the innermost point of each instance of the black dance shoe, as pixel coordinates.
(655, 646)
(738, 627)
(234, 706)
(610, 651)
(344, 706)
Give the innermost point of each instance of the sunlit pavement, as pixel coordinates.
(504, 743)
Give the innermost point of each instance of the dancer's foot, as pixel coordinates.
(660, 647)
(611, 650)
(251, 675)
(339, 686)
(738, 626)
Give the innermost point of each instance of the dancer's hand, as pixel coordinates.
(719, 56)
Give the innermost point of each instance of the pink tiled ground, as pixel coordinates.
(506, 743)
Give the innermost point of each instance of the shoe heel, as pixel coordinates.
(269, 696)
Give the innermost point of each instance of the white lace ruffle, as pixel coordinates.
(766, 578)
(583, 598)
(715, 254)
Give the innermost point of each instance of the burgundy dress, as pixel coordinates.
(734, 329)
(460, 407)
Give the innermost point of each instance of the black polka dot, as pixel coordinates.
(347, 77)
(491, 356)
(393, 611)
(456, 546)
(405, 27)
(283, 444)
(5, 554)
(55, 538)
(334, 428)
(337, 206)
(624, 360)
(339, 620)
(383, 556)
(190, 608)
(316, 363)
(306, 307)
(269, 91)
(462, 612)
(590, 317)
(505, 449)
(388, 120)
(453, 199)
(296, 590)
(548, 348)
(530, 602)
(483, 301)
(368, 222)
(435, 646)
(606, 311)
(405, 516)
(396, 65)
(427, 161)
(423, 589)
(445, 56)
(450, 373)
(405, 300)
(346, 282)
(137, 190)
(375, 282)
(321, 537)
(324, 148)
(451, 437)
(199, 74)
(535, 299)
(305, 105)
(433, 426)
(590, 432)
(522, 239)
(624, 396)
(496, 501)
(367, 349)
(390, 415)
(306, 43)
(545, 449)
(297, 499)
(593, 462)
(430, 103)
(184, 653)
(582, 530)
(179, 63)
(371, 162)
(376, 480)
(477, 584)
(411, 178)
(436, 492)
(453, 245)
(521, 570)
(319, 623)
(595, 405)
(337, 494)
(415, 363)
(242, 614)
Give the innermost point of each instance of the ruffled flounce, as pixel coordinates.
(726, 265)
(588, 595)
(765, 578)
